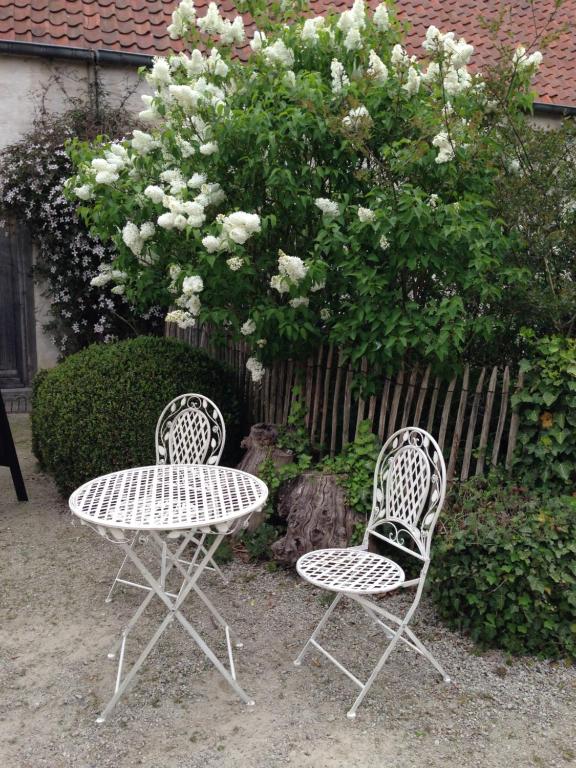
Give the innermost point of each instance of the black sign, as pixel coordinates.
(8, 456)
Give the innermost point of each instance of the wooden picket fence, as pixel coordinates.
(470, 415)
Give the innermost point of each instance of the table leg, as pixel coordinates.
(173, 612)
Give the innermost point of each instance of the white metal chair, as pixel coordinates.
(409, 491)
(190, 430)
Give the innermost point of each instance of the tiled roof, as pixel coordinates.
(139, 26)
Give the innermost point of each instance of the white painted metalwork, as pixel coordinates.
(198, 500)
(190, 430)
(409, 491)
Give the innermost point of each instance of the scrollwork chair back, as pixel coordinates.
(190, 430)
(409, 491)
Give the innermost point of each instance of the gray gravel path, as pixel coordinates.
(55, 631)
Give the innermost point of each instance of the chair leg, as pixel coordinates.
(375, 672)
(109, 597)
(426, 653)
(314, 635)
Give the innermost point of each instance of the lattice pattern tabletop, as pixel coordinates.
(169, 497)
(350, 570)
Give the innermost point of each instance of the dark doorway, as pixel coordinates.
(17, 327)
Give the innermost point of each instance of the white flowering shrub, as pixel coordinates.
(332, 188)
(32, 176)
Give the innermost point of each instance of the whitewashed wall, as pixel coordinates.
(28, 83)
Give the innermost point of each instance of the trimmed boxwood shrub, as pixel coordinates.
(96, 412)
(505, 570)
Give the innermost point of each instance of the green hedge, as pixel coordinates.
(505, 570)
(97, 411)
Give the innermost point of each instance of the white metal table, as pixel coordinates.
(189, 498)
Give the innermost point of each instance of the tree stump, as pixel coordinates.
(314, 505)
(261, 445)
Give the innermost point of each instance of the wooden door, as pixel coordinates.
(17, 329)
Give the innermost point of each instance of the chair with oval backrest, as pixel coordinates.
(190, 430)
(408, 494)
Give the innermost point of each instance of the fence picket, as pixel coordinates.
(326, 395)
(347, 406)
(472, 427)
(501, 415)
(383, 409)
(335, 404)
(457, 436)
(395, 402)
(409, 397)
(486, 422)
(514, 423)
(421, 397)
(446, 413)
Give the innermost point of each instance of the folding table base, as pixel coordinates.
(173, 603)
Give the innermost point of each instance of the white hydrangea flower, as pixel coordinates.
(143, 142)
(147, 230)
(193, 304)
(384, 243)
(445, 148)
(182, 19)
(399, 57)
(235, 263)
(325, 314)
(456, 81)
(196, 180)
(318, 286)
(377, 70)
(256, 369)
(381, 17)
(412, 84)
(212, 244)
(366, 215)
(181, 318)
(119, 290)
(211, 23)
(215, 64)
(291, 267)
(106, 177)
(353, 40)
(289, 79)
(523, 61)
(232, 33)
(258, 41)
(339, 77)
(301, 301)
(239, 226)
(84, 192)
(131, 237)
(193, 284)
(103, 277)
(210, 148)
(151, 112)
(156, 194)
(357, 118)
(248, 328)
(433, 201)
(355, 18)
(278, 54)
(310, 29)
(160, 74)
(328, 207)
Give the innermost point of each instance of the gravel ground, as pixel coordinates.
(55, 632)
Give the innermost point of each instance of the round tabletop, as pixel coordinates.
(167, 497)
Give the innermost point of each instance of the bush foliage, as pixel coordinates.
(546, 449)
(505, 570)
(97, 411)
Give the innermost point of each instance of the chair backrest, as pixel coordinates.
(190, 430)
(409, 491)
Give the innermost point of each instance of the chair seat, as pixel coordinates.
(350, 570)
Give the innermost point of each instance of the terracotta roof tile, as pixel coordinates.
(139, 26)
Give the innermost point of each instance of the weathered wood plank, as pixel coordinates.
(395, 402)
(383, 410)
(347, 406)
(409, 397)
(421, 397)
(501, 415)
(337, 386)
(445, 418)
(486, 422)
(318, 375)
(457, 436)
(514, 423)
(472, 427)
(326, 395)
(361, 400)
(433, 403)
